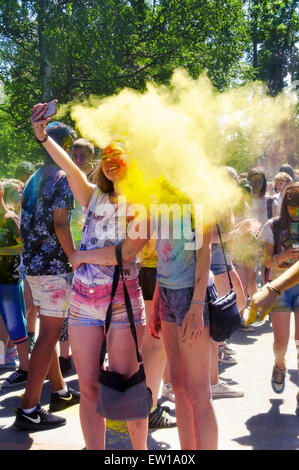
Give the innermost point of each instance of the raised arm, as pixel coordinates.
(78, 183)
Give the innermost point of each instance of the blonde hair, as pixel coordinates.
(282, 176)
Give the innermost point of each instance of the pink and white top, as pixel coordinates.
(105, 225)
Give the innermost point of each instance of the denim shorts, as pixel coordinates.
(51, 293)
(13, 312)
(88, 305)
(220, 268)
(175, 303)
(288, 300)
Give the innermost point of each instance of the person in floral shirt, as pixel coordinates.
(47, 245)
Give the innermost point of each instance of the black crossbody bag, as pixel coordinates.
(119, 398)
(224, 313)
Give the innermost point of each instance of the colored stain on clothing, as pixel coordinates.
(46, 191)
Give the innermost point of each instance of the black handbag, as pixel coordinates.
(119, 398)
(224, 313)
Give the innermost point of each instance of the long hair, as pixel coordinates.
(105, 185)
(258, 172)
(290, 198)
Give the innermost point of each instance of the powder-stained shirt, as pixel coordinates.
(105, 225)
(9, 236)
(46, 191)
(286, 240)
(176, 257)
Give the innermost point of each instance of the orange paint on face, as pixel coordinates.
(113, 157)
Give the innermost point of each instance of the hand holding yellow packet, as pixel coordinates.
(261, 304)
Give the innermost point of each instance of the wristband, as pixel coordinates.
(198, 302)
(42, 141)
(270, 287)
(275, 260)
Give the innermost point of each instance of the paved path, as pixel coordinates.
(259, 420)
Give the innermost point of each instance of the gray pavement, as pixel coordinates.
(259, 420)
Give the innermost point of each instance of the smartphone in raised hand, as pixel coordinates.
(52, 109)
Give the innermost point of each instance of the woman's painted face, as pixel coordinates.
(114, 163)
(293, 212)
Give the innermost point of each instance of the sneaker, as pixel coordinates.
(297, 409)
(19, 377)
(245, 327)
(65, 365)
(160, 418)
(10, 362)
(167, 392)
(38, 420)
(58, 402)
(225, 358)
(228, 350)
(278, 379)
(222, 390)
(14, 354)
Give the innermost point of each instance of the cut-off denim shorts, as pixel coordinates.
(175, 303)
(288, 301)
(89, 304)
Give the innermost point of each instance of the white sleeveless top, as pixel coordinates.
(105, 225)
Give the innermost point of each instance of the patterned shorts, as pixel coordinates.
(88, 305)
(51, 293)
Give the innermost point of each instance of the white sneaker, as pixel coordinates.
(225, 358)
(225, 347)
(167, 392)
(222, 390)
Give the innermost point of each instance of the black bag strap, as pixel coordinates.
(220, 238)
(276, 230)
(117, 272)
(269, 207)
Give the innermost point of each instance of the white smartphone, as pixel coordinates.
(52, 109)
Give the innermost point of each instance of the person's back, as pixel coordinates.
(45, 191)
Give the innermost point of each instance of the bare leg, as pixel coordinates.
(86, 343)
(23, 355)
(281, 331)
(154, 358)
(41, 359)
(196, 420)
(122, 359)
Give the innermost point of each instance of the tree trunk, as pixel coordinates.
(45, 65)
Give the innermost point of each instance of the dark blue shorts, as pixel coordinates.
(12, 310)
(175, 303)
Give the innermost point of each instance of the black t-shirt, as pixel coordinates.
(9, 236)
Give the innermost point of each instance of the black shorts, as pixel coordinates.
(147, 281)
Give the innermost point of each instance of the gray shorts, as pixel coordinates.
(175, 303)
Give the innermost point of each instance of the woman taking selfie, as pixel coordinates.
(93, 282)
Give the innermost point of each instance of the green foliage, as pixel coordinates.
(72, 49)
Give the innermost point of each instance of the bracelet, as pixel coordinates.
(42, 141)
(198, 302)
(270, 287)
(275, 260)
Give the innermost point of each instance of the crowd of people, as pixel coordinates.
(57, 256)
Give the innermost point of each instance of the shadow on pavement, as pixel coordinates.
(12, 439)
(272, 430)
(293, 373)
(250, 337)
